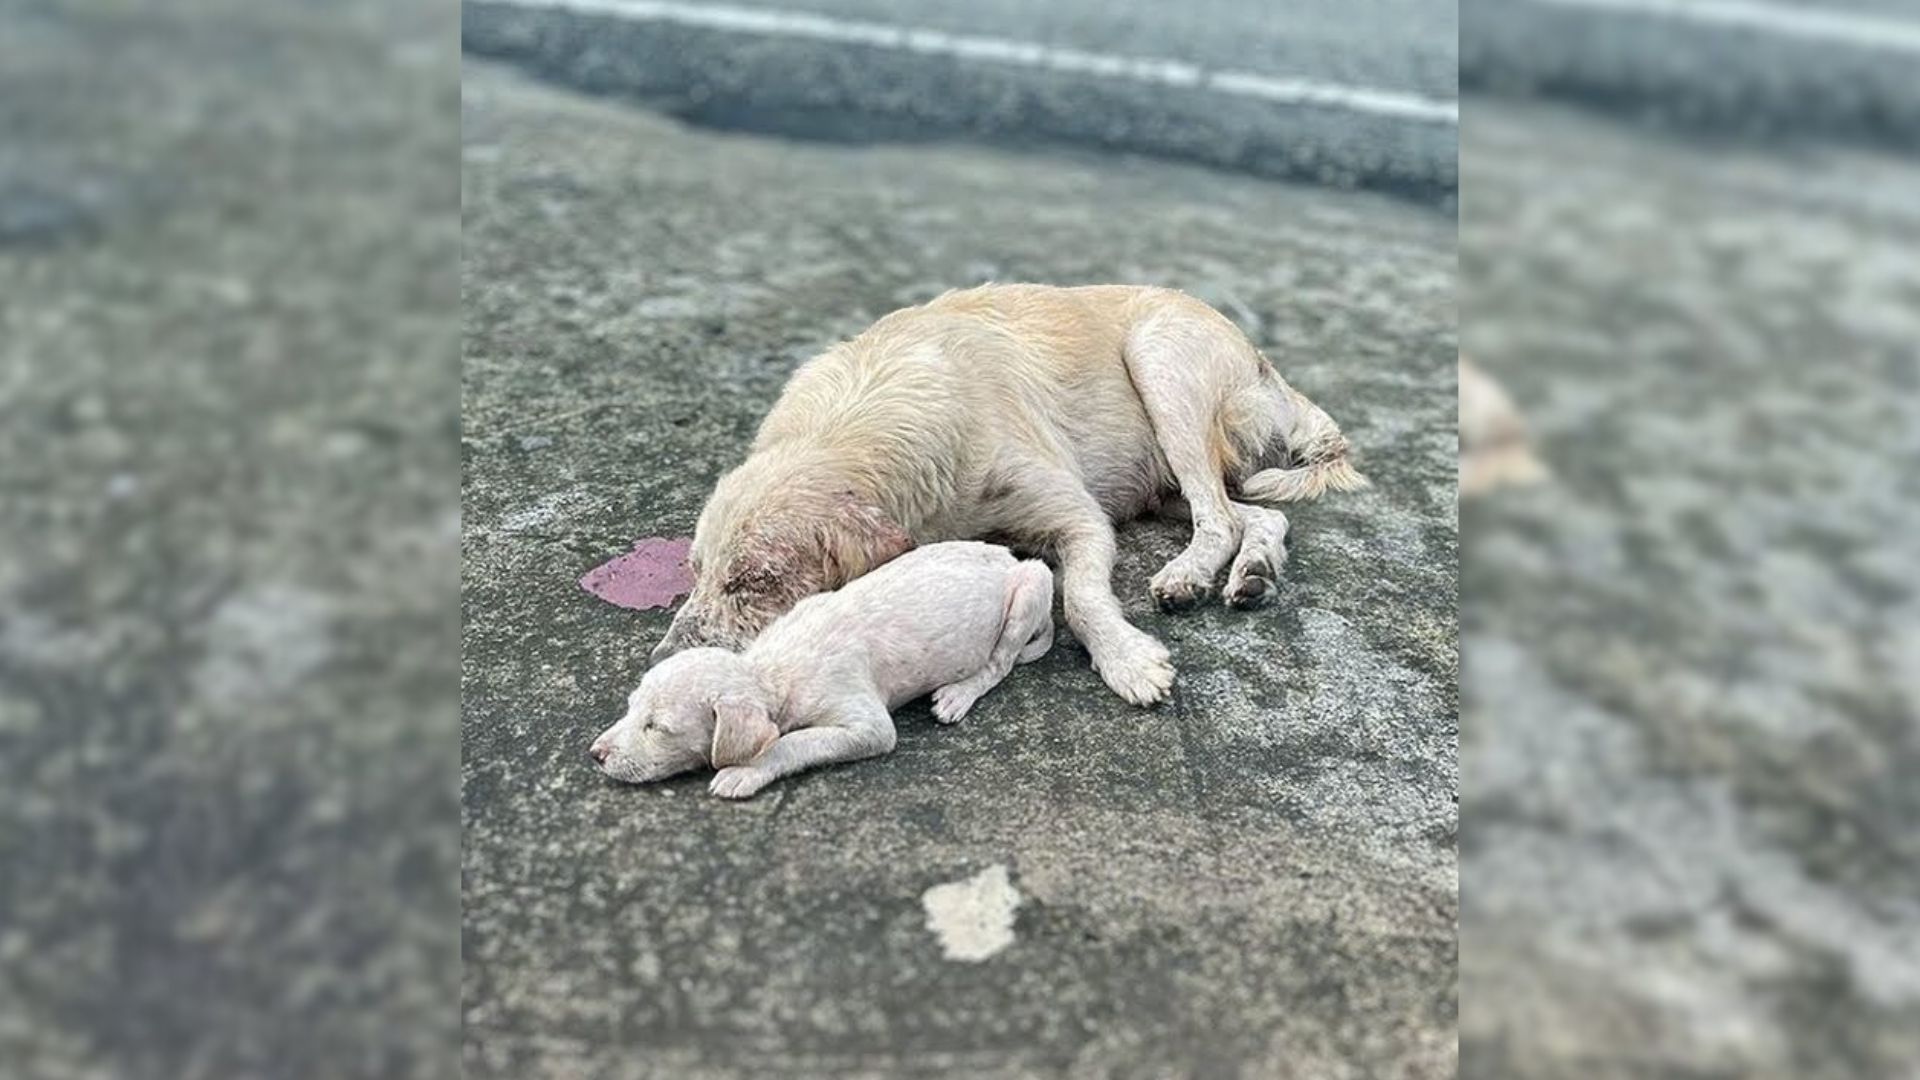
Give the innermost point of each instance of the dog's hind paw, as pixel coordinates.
(1250, 584)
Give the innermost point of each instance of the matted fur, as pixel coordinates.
(1037, 414)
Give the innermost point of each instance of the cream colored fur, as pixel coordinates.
(1036, 414)
(820, 684)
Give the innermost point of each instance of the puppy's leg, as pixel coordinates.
(861, 729)
(1026, 635)
(1177, 366)
(1263, 550)
(1042, 639)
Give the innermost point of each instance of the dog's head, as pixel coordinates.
(702, 707)
(767, 539)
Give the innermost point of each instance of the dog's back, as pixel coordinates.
(941, 391)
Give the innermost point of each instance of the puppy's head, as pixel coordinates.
(702, 707)
(768, 538)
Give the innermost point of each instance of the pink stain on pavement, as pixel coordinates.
(653, 575)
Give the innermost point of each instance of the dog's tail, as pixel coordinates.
(1311, 456)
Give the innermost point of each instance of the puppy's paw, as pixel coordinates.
(1136, 667)
(739, 781)
(1177, 587)
(951, 702)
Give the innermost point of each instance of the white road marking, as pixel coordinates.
(1857, 29)
(1017, 53)
(973, 918)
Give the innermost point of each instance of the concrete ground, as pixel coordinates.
(228, 540)
(1690, 740)
(1257, 879)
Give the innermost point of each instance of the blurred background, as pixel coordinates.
(229, 531)
(1688, 251)
(229, 528)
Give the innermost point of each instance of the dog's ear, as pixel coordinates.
(742, 731)
(858, 537)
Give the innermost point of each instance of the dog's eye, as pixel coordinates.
(751, 579)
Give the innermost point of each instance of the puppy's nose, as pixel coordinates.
(599, 751)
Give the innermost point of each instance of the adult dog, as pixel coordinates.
(1029, 413)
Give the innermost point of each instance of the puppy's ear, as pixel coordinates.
(742, 731)
(858, 537)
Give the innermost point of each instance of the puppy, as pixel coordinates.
(819, 684)
(1030, 413)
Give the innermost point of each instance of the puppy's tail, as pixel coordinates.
(1313, 457)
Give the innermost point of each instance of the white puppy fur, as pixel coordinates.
(1028, 413)
(819, 684)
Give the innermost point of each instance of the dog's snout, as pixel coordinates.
(678, 639)
(600, 751)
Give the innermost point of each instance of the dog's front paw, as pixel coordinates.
(1137, 667)
(739, 781)
(1177, 587)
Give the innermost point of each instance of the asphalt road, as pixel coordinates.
(1689, 738)
(1405, 45)
(1258, 877)
(1332, 104)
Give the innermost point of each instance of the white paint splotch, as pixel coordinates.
(973, 917)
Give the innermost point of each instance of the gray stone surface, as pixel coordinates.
(1690, 739)
(228, 540)
(1258, 878)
